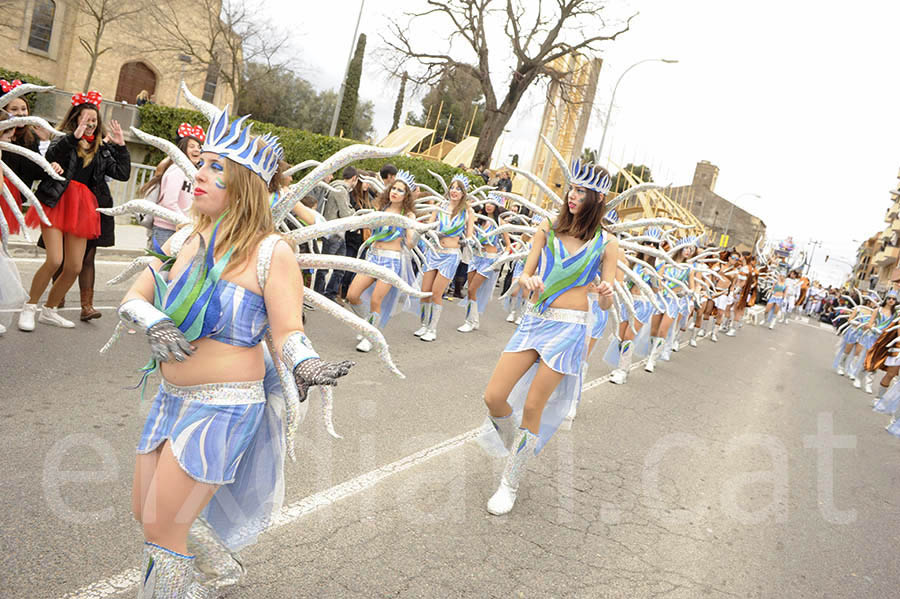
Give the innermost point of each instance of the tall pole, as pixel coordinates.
(731, 212)
(340, 98)
(612, 99)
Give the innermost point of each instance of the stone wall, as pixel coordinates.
(714, 211)
(66, 63)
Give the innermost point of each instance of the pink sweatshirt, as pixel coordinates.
(175, 193)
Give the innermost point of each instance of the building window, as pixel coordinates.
(42, 25)
(212, 78)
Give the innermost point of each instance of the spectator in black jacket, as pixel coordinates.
(71, 206)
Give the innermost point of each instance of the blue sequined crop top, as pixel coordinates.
(236, 316)
(451, 227)
(489, 237)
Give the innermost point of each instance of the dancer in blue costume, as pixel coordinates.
(677, 282)
(873, 329)
(213, 444)
(482, 278)
(455, 231)
(376, 301)
(775, 304)
(538, 375)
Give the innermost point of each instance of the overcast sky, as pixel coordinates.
(795, 100)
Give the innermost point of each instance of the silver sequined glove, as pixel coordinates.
(315, 371)
(308, 369)
(166, 340)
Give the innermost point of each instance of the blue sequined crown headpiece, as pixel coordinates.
(233, 141)
(408, 178)
(591, 177)
(612, 217)
(686, 241)
(463, 180)
(654, 232)
(891, 293)
(495, 198)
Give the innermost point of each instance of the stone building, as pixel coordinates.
(716, 213)
(42, 39)
(877, 258)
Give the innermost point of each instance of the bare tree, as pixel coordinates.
(230, 36)
(99, 15)
(537, 36)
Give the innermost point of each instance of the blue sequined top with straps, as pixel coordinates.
(561, 271)
(451, 227)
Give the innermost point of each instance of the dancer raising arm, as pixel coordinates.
(217, 422)
(538, 375)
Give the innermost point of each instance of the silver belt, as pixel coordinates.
(247, 392)
(390, 254)
(559, 314)
(448, 251)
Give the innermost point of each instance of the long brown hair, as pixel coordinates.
(463, 205)
(162, 167)
(248, 217)
(23, 135)
(585, 225)
(408, 205)
(70, 123)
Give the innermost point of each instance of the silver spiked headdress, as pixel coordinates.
(408, 178)
(591, 177)
(233, 141)
(463, 180)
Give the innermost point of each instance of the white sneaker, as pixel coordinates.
(430, 335)
(364, 346)
(692, 343)
(421, 330)
(731, 332)
(840, 370)
(511, 317)
(649, 366)
(713, 336)
(467, 327)
(857, 384)
(2, 329)
(51, 316)
(26, 317)
(771, 326)
(701, 334)
(869, 388)
(618, 377)
(503, 500)
(676, 345)
(518, 320)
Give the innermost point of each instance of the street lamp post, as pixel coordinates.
(612, 99)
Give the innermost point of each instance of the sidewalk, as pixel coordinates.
(131, 240)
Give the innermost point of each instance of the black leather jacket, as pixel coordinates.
(111, 160)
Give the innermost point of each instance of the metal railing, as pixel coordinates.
(124, 191)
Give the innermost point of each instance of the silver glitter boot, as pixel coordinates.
(217, 567)
(505, 427)
(168, 575)
(505, 496)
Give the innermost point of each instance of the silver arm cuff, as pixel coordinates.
(297, 348)
(138, 313)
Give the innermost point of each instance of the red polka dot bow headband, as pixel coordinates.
(7, 86)
(91, 97)
(187, 130)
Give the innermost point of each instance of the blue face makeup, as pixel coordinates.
(220, 182)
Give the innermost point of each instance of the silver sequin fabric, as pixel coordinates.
(225, 394)
(559, 314)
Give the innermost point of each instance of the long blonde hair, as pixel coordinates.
(248, 218)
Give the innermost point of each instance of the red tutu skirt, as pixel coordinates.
(4, 207)
(75, 212)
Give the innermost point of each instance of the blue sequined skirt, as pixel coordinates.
(561, 344)
(445, 262)
(393, 301)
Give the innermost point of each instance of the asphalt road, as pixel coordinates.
(741, 469)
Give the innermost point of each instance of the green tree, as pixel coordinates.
(638, 171)
(458, 90)
(398, 106)
(351, 88)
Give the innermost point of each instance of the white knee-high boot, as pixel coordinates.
(424, 317)
(520, 452)
(620, 375)
(166, 574)
(656, 347)
(431, 333)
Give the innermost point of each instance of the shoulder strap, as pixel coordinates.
(264, 259)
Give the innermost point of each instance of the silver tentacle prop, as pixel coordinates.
(146, 207)
(377, 183)
(631, 191)
(26, 192)
(440, 180)
(208, 110)
(647, 222)
(499, 262)
(302, 166)
(509, 228)
(178, 157)
(526, 203)
(362, 327)
(21, 90)
(328, 261)
(17, 214)
(4, 233)
(625, 298)
(32, 156)
(367, 221)
(326, 394)
(537, 182)
(34, 121)
(136, 267)
(560, 160)
(627, 245)
(336, 161)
